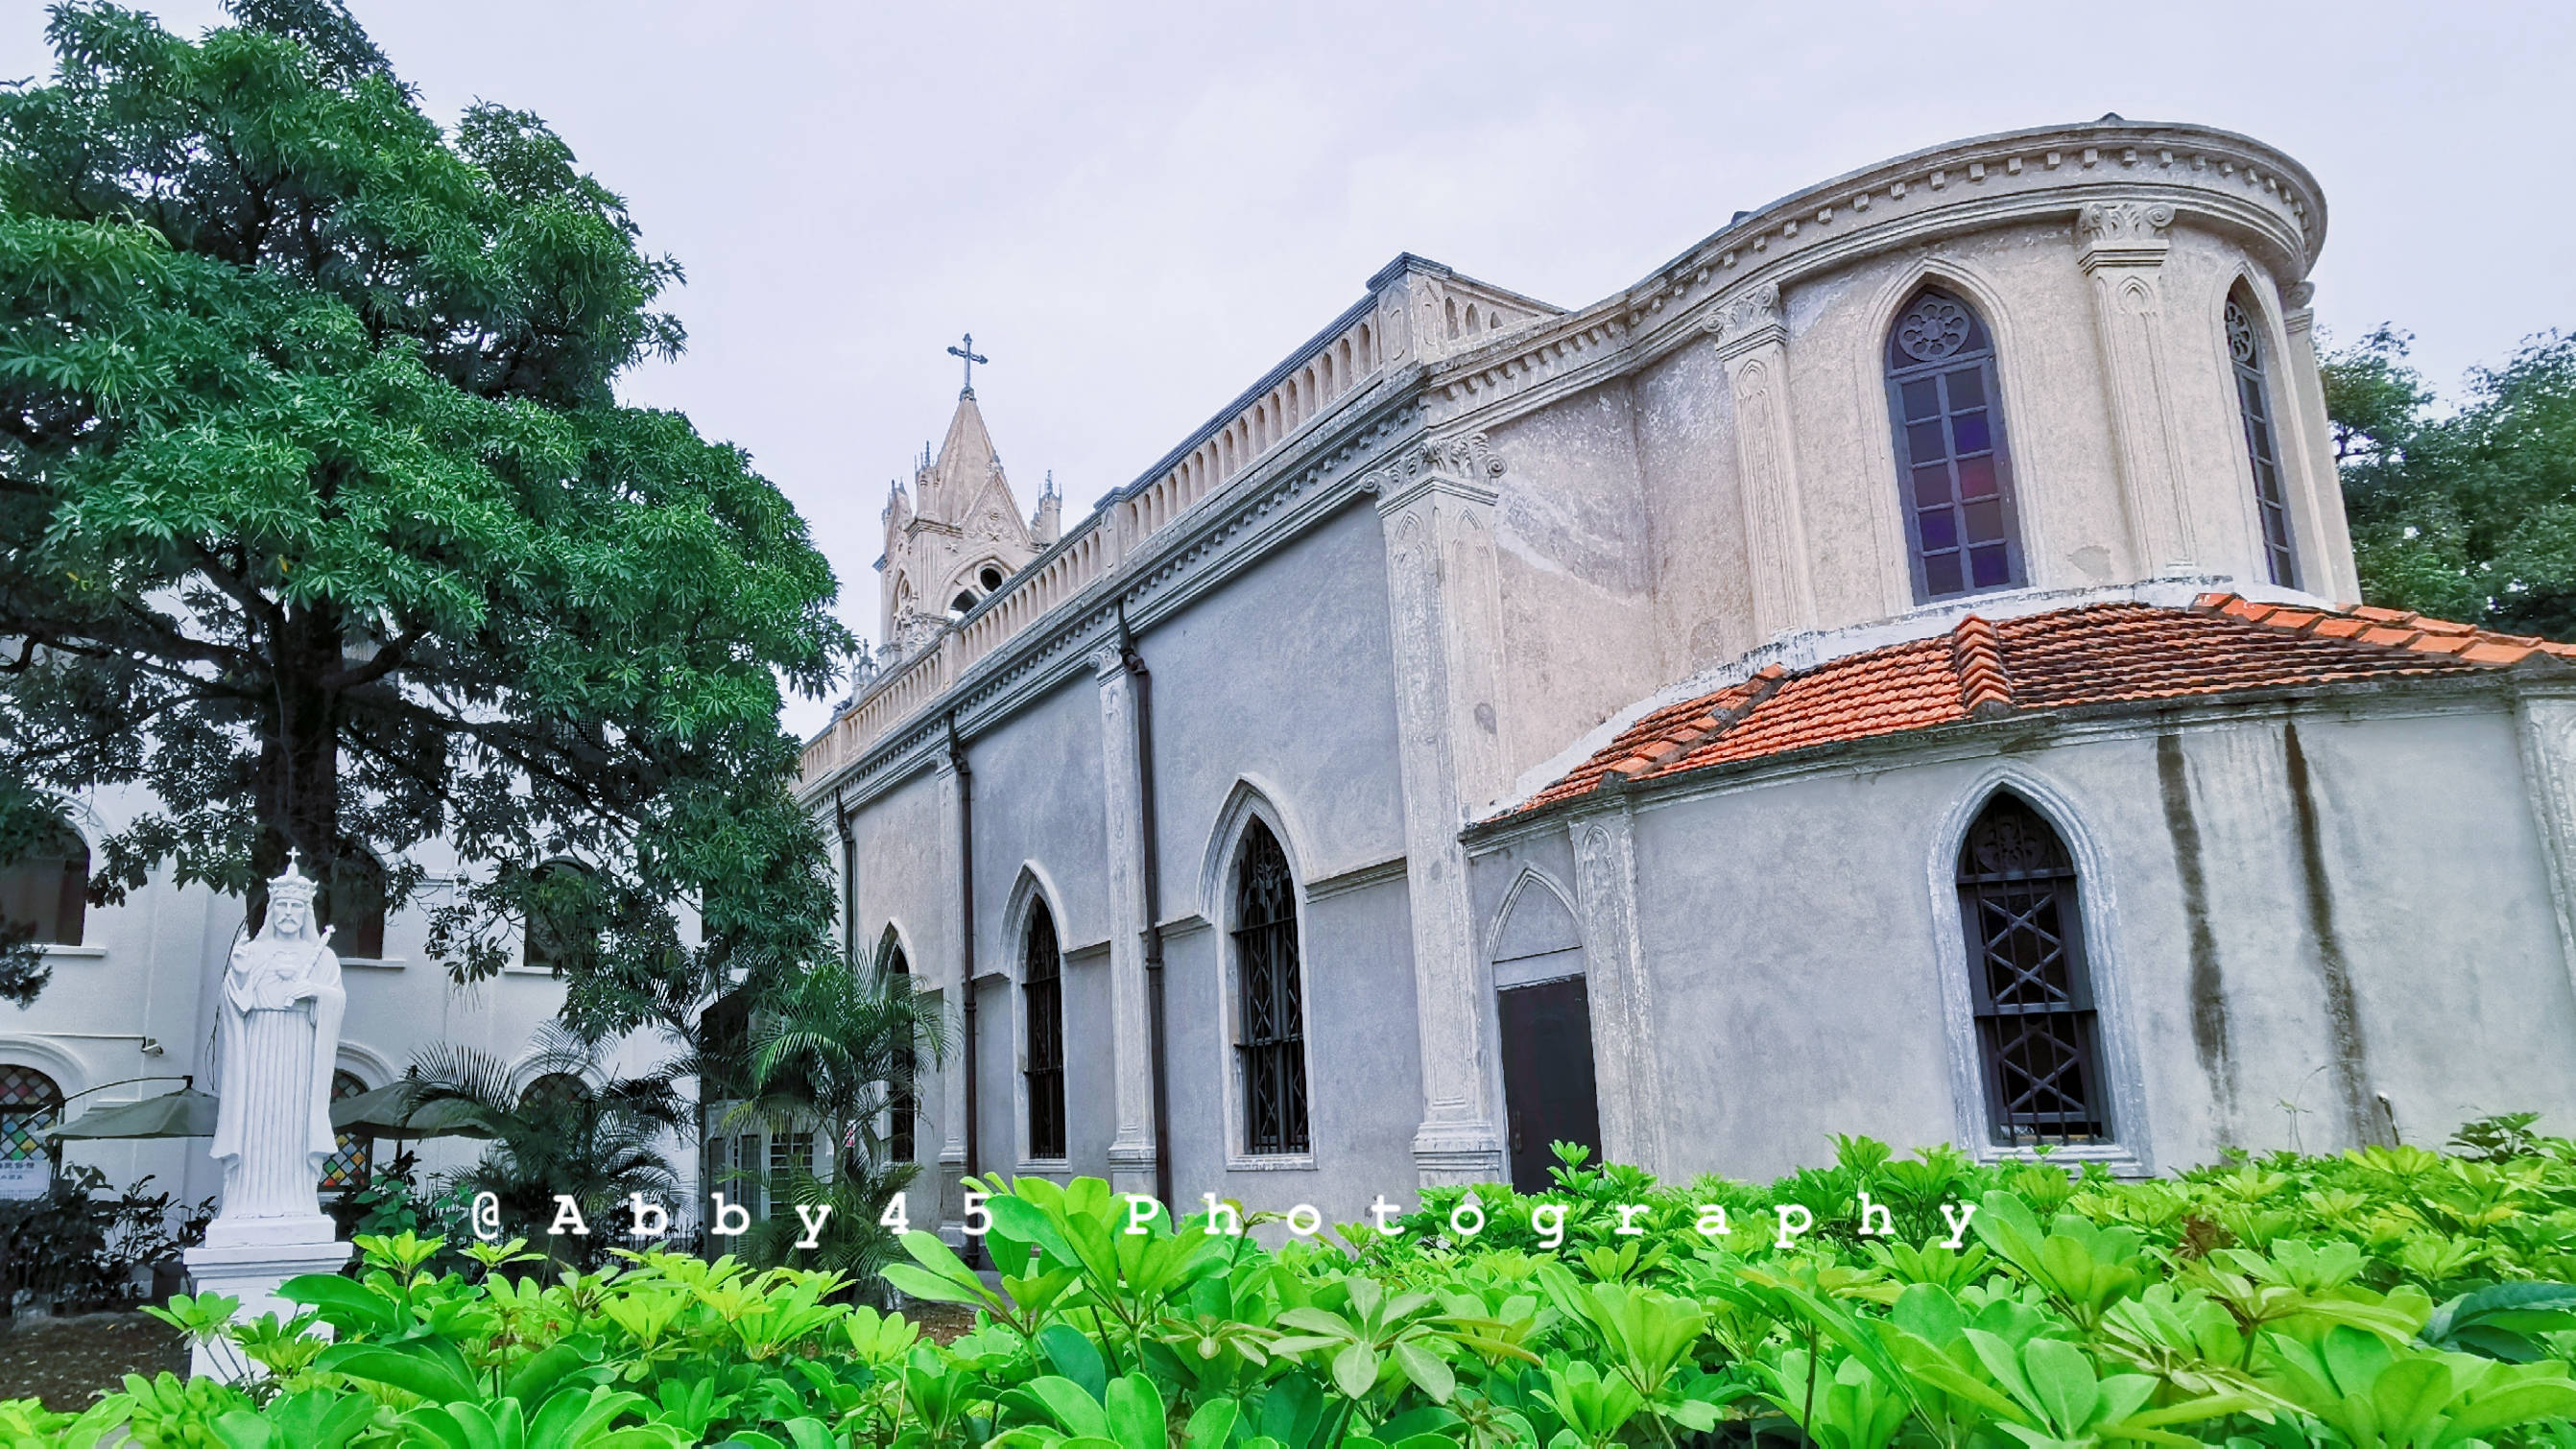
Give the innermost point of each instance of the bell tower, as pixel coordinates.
(957, 533)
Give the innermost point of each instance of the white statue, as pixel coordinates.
(277, 1038)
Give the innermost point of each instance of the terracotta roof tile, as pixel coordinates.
(2104, 654)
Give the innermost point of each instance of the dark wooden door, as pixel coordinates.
(1547, 1076)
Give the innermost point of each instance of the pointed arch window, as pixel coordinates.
(1961, 526)
(1270, 1009)
(1042, 1015)
(2037, 1036)
(904, 1104)
(43, 893)
(2254, 410)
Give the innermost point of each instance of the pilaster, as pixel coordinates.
(1132, 1149)
(1445, 602)
(2545, 731)
(1752, 343)
(2332, 551)
(2122, 246)
(956, 979)
(1626, 1068)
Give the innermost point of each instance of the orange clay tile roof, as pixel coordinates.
(2100, 655)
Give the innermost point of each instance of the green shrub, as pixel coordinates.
(2387, 1297)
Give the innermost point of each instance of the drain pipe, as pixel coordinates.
(849, 882)
(966, 933)
(1153, 883)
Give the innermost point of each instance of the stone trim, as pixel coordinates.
(1359, 878)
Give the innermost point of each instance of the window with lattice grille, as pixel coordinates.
(2033, 1000)
(353, 1158)
(2254, 410)
(1042, 1011)
(1270, 1008)
(1951, 463)
(29, 1104)
(788, 1152)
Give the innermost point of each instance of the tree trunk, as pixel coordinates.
(299, 765)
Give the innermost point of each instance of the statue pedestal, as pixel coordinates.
(252, 1272)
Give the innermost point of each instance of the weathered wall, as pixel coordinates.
(2315, 907)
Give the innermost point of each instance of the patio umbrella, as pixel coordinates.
(397, 1111)
(183, 1113)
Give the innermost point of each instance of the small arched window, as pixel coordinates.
(1270, 1007)
(1951, 461)
(43, 893)
(990, 578)
(2033, 998)
(2254, 410)
(904, 1105)
(554, 1092)
(353, 1159)
(963, 602)
(559, 908)
(1042, 1010)
(30, 1103)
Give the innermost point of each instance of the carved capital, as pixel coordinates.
(1460, 465)
(1108, 659)
(1748, 320)
(2123, 233)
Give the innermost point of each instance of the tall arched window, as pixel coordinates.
(1950, 456)
(903, 1106)
(1042, 1012)
(29, 1104)
(1270, 1008)
(2036, 1034)
(557, 913)
(354, 1160)
(2254, 409)
(43, 894)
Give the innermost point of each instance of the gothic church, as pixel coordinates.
(1889, 670)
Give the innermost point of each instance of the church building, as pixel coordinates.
(1892, 669)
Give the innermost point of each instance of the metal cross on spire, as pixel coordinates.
(968, 352)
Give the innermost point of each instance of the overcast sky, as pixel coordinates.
(1138, 208)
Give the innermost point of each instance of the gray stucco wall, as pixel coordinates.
(1797, 930)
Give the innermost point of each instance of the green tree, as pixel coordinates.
(2470, 515)
(323, 523)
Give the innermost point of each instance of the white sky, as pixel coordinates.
(1138, 208)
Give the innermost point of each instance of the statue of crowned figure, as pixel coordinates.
(277, 1040)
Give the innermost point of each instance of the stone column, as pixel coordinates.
(955, 983)
(2327, 548)
(1132, 1150)
(1625, 1066)
(2122, 246)
(1445, 601)
(1752, 344)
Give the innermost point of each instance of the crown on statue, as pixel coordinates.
(293, 886)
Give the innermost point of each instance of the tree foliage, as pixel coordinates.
(2469, 515)
(323, 523)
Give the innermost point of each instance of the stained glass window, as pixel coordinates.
(2018, 901)
(1952, 466)
(29, 1104)
(1042, 1002)
(354, 1161)
(2254, 409)
(1270, 1009)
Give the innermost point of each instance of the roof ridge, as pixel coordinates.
(1699, 729)
(1976, 657)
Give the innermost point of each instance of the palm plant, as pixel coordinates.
(835, 1050)
(575, 1129)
